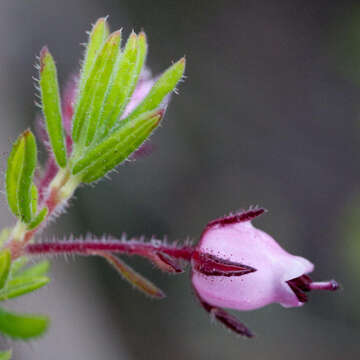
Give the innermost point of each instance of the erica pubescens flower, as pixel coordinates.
(238, 266)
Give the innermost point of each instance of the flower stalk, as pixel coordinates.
(220, 280)
(130, 247)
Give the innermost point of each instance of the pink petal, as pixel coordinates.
(243, 243)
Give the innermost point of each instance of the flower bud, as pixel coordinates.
(238, 266)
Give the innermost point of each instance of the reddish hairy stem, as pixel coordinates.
(131, 247)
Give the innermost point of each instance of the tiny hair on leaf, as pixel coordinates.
(163, 86)
(50, 99)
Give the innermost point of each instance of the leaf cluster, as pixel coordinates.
(102, 135)
(102, 138)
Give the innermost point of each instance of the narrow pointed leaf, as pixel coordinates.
(163, 86)
(26, 179)
(133, 77)
(97, 37)
(51, 107)
(140, 61)
(134, 278)
(117, 147)
(90, 102)
(19, 176)
(13, 173)
(5, 263)
(122, 84)
(5, 355)
(22, 326)
(38, 219)
(39, 269)
(103, 86)
(22, 285)
(114, 140)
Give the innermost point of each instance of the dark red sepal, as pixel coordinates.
(231, 322)
(298, 291)
(242, 216)
(212, 265)
(167, 263)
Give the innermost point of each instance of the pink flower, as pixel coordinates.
(240, 267)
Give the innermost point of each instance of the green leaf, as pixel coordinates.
(117, 147)
(127, 74)
(97, 37)
(19, 176)
(38, 219)
(13, 173)
(140, 61)
(91, 100)
(26, 180)
(5, 355)
(50, 99)
(124, 76)
(163, 86)
(22, 285)
(22, 326)
(39, 269)
(103, 85)
(5, 263)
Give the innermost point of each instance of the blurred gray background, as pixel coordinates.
(268, 115)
